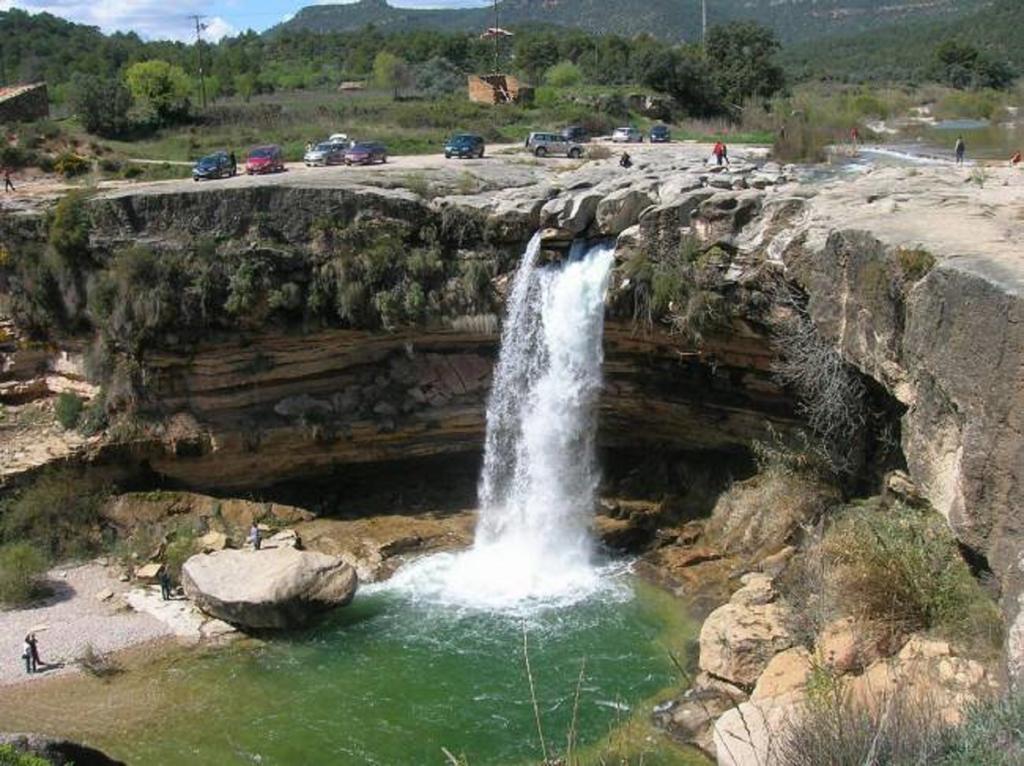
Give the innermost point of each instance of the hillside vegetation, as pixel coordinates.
(791, 20)
(905, 52)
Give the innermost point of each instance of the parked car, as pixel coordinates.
(576, 134)
(464, 145)
(660, 134)
(366, 153)
(327, 153)
(628, 135)
(216, 165)
(264, 159)
(544, 144)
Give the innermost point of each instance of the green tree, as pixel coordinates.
(245, 85)
(741, 56)
(101, 103)
(962, 65)
(439, 77)
(390, 71)
(564, 74)
(161, 88)
(684, 74)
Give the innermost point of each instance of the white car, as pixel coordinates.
(627, 136)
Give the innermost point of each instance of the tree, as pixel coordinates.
(101, 103)
(390, 71)
(564, 74)
(439, 77)
(962, 65)
(160, 88)
(245, 85)
(741, 56)
(684, 74)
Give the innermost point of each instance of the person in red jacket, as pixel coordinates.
(721, 153)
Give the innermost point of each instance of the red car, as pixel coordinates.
(264, 159)
(366, 153)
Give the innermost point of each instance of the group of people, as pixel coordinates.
(30, 653)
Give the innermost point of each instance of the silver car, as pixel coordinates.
(546, 144)
(327, 153)
(627, 135)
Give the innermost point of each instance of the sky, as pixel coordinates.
(160, 19)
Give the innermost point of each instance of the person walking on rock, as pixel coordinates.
(8, 185)
(255, 536)
(165, 584)
(721, 153)
(960, 149)
(234, 164)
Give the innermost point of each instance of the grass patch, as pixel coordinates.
(914, 262)
(22, 567)
(9, 756)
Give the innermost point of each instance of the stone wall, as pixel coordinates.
(24, 103)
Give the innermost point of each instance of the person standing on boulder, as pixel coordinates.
(721, 153)
(255, 536)
(8, 185)
(960, 149)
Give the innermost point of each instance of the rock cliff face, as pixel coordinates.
(926, 307)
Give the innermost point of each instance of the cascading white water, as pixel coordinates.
(539, 478)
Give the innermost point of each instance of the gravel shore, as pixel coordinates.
(74, 617)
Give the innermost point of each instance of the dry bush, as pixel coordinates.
(98, 665)
(832, 397)
(833, 729)
(900, 567)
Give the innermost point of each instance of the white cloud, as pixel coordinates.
(151, 19)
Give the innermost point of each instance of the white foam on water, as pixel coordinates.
(533, 544)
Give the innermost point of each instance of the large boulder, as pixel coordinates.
(621, 209)
(273, 588)
(59, 752)
(738, 639)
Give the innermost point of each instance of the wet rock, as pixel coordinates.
(274, 588)
(58, 752)
(621, 210)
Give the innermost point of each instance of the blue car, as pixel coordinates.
(216, 165)
(464, 145)
(660, 134)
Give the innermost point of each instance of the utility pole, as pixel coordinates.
(497, 37)
(199, 55)
(704, 23)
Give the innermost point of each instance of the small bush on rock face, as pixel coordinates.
(992, 734)
(915, 263)
(68, 410)
(21, 568)
(900, 567)
(70, 165)
(11, 757)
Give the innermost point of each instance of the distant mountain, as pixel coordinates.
(793, 20)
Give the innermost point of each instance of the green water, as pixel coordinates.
(387, 681)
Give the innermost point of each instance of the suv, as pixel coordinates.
(628, 135)
(660, 134)
(216, 165)
(576, 134)
(464, 145)
(543, 144)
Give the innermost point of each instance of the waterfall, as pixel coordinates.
(539, 478)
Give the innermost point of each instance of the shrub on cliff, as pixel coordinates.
(58, 515)
(22, 566)
(900, 566)
(68, 410)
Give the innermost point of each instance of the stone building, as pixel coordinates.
(24, 103)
